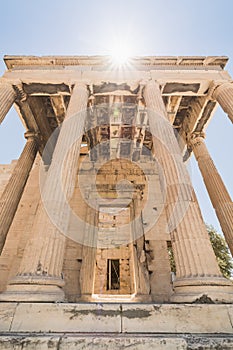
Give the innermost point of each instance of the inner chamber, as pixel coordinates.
(114, 243)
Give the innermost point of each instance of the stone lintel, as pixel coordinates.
(70, 75)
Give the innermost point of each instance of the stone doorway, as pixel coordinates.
(114, 262)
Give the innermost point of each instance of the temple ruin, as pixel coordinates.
(100, 205)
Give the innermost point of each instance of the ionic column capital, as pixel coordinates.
(31, 135)
(81, 84)
(78, 100)
(196, 142)
(150, 84)
(153, 98)
(195, 138)
(20, 93)
(219, 86)
(147, 85)
(16, 86)
(222, 92)
(9, 82)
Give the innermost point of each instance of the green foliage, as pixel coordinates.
(221, 251)
(172, 260)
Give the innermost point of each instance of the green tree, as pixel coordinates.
(221, 251)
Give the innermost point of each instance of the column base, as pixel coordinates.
(34, 288)
(142, 298)
(161, 298)
(85, 298)
(207, 290)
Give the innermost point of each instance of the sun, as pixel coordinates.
(120, 55)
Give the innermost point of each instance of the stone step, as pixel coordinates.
(61, 341)
(116, 317)
(115, 326)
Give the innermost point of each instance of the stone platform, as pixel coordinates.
(115, 326)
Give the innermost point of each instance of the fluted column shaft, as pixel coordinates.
(14, 189)
(87, 272)
(7, 98)
(218, 193)
(142, 283)
(196, 264)
(224, 95)
(41, 268)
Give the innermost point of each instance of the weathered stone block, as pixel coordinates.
(6, 316)
(176, 318)
(43, 317)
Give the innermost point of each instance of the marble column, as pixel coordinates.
(14, 189)
(7, 98)
(87, 272)
(141, 275)
(197, 271)
(218, 193)
(40, 274)
(223, 93)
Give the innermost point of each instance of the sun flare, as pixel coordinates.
(120, 55)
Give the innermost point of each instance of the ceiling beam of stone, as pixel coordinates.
(59, 107)
(47, 89)
(172, 107)
(40, 114)
(194, 114)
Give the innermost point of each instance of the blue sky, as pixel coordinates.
(148, 27)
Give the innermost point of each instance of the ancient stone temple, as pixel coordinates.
(101, 233)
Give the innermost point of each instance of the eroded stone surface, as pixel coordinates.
(176, 318)
(66, 317)
(116, 318)
(136, 342)
(7, 312)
